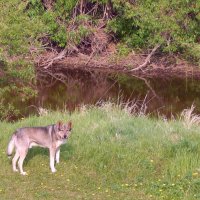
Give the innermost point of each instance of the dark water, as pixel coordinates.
(164, 96)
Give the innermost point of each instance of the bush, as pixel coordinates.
(146, 23)
(18, 34)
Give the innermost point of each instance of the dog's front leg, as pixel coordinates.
(58, 155)
(52, 159)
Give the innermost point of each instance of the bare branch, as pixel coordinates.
(46, 64)
(148, 58)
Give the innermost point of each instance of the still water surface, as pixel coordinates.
(164, 96)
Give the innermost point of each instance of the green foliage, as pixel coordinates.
(58, 19)
(17, 34)
(64, 8)
(56, 31)
(35, 8)
(7, 110)
(192, 52)
(17, 30)
(173, 24)
(142, 24)
(81, 30)
(123, 49)
(16, 88)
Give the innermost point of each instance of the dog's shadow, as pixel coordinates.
(66, 153)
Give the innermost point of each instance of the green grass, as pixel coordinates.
(110, 155)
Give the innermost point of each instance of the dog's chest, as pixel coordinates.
(60, 142)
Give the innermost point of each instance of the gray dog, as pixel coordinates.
(51, 137)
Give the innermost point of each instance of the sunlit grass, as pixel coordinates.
(110, 155)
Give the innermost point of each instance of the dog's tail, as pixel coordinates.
(11, 145)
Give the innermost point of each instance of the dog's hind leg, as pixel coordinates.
(21, 160)
(14, 161)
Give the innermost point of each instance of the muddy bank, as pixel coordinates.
(160, 66)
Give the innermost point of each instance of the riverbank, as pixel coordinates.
(134, 64)
(110, 154)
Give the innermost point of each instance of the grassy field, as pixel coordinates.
(110, 155)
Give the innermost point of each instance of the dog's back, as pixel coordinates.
(24, 137)
(43, 136)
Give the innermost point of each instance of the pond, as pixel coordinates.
(80, 87)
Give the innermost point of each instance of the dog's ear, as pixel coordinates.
(59, 125)
(69, 125)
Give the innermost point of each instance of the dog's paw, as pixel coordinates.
(24, 173)
(53, 170)
(15, 170)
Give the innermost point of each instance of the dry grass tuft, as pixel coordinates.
(189, 118)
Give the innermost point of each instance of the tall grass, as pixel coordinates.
(110, 155)
(189, 117)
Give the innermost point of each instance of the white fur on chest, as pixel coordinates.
(60, 142)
